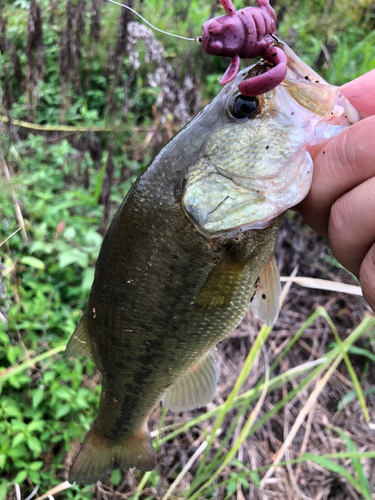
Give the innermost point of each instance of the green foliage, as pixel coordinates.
(236, 479)
(359, 481)
(363, 484)
(43, 410)
(335, 38)
(40, 416)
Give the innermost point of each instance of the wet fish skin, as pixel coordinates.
(147, 320)
(173, 277)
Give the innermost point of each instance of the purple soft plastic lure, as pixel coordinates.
(246, 33)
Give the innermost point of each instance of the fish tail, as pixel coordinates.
(100, 455)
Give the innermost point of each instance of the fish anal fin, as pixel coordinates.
(194, 389)
(221, 283)
(99, 456)
(79, 342)
(265, 302)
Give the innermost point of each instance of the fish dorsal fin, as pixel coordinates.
(194, 389)
(79, 343)
(266, 299)
(221, 283)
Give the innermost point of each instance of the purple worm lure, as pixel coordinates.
(246, 33)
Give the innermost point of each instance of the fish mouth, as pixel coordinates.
(255, 167)
(257, 69)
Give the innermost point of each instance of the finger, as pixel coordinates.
(346, 161)
(351, 229)
(366, 277)
(361, 93)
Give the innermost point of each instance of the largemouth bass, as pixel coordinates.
(189, 248)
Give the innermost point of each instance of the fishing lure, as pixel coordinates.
(246, 33)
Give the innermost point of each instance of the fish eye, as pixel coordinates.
(244, 106)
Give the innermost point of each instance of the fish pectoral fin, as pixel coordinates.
(265, 302)
(194, 389)
(100, 455)
(79, 342)
(221, 283)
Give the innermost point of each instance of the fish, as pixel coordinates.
(189, 249)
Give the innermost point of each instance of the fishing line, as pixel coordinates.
(153, 27)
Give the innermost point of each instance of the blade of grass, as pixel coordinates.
(301, 417)
(185, 470)
(142, 484)
(365, 487)
(218, 458)
(244, 374)
(362, 352)
(15, 370)
(200, 476)
(243, 399)
(241, 438)
(318, 284)
(252, 395)
(357, 385)
(351, 395)
(333, 467)
(366, 324)
(288, 284)
(261, 338)
(316, 314)
(304, 458)
(8, 237)
(343, 347)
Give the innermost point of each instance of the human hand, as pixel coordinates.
(341, 202)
